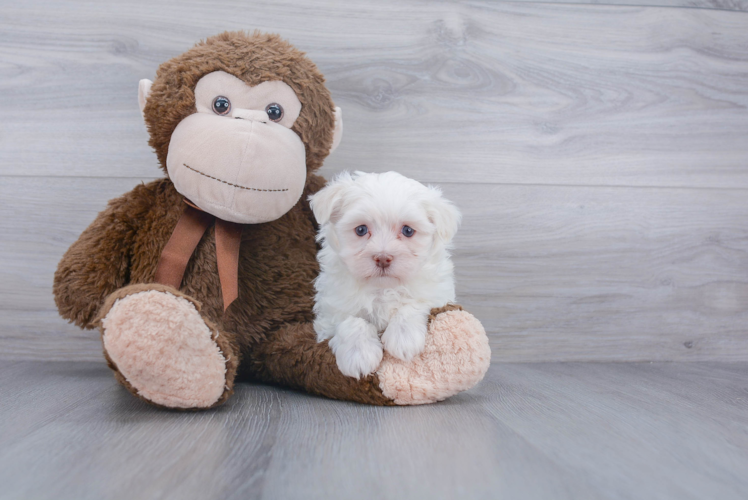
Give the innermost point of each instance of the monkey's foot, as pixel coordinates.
(456, 357)
(163, 351)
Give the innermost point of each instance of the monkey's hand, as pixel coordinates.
(98, 263)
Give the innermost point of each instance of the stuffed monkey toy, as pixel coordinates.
(205, 277)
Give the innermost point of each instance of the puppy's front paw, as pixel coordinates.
(405, 338)
(357, 348)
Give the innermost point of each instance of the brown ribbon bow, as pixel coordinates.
(181, 245)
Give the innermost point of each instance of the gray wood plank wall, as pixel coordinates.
(599, 153)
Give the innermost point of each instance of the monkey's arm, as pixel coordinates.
(98, 263)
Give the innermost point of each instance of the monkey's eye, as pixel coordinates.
(362, 230)
(221, 105)
(275, 113)
(408, 231)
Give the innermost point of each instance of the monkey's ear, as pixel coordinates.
(144, 89)
(338, 132)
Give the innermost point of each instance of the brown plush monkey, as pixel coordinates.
(207, 274)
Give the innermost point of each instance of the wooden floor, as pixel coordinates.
(552, 431)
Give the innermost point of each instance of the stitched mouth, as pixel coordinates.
(234, 185)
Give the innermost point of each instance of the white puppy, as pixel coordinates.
(384, 264)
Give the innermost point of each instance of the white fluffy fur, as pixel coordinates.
(356, 301)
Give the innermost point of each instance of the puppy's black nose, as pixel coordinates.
(383, 260)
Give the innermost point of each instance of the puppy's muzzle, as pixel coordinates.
(383, 260)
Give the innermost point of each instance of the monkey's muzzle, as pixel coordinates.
(240, 170)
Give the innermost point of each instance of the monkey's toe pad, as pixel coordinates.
(164, 349)
(456, 357)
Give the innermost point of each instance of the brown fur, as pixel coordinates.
(254, 58)
(438, 310)
(268, 327)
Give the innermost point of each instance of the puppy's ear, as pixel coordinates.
(326, 203)
(443, 214)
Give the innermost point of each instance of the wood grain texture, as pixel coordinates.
(736, 5)
(529, 431)
(509, 92)
(598, 153)
(554, 273)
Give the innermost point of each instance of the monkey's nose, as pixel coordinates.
(383, 260)
(250, 114)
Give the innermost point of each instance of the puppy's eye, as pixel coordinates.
(408, 231)
(362, 230)
(221, 105)
(274, 111)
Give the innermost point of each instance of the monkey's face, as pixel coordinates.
(237, 157)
